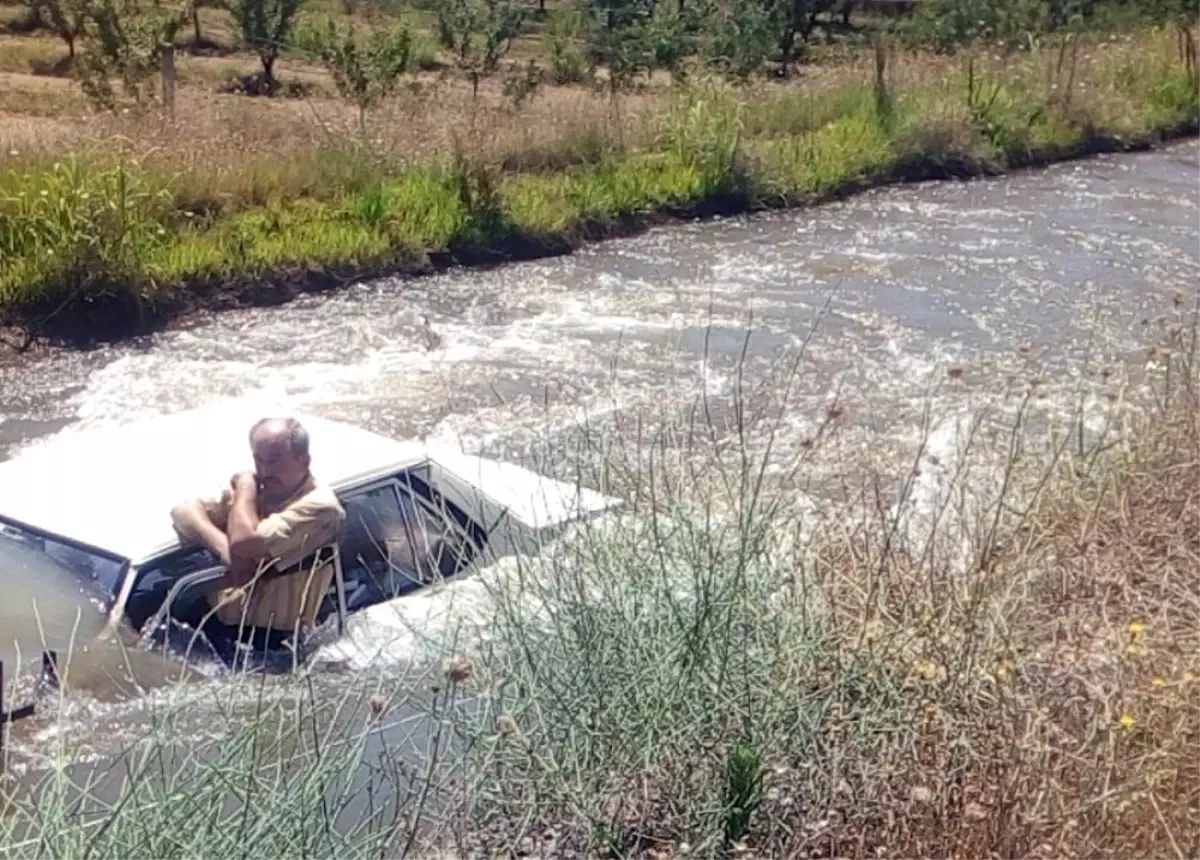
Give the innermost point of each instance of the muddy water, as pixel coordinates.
(1054, 272)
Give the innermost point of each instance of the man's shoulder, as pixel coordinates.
(321, 500)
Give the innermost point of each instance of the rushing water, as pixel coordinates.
(1063, 268)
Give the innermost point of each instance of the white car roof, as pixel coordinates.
(114, 487)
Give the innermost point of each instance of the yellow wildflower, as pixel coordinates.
(926, 670)
(1136, 628)
(1128, 721)
(1159, 681)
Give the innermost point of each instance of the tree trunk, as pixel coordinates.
(268, 64)
(196, 22)
(787, 44)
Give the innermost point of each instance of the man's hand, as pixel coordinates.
(244, 483)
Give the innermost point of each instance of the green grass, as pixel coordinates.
(76, 230)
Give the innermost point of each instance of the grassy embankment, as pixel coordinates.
(1006, 667)
(114, 223)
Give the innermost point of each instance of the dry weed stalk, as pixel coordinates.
(1007, 668)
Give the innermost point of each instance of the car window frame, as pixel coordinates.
(442, 515)
(413, 480)
(124, 562)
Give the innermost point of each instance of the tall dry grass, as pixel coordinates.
(995, 654)
(991, 651)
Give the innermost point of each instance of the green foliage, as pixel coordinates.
(479, 33)
(265, 27)
(621, 38)
(74, 228)
(735, 38)
(743, 791)
(477, 183)
(703, 131)
(124, 40)
(1003, 120)
(568, 65)
(784, 144)
(791, 20)
(1018, 24)
(65, 17)
(522, 83)
(365, 70)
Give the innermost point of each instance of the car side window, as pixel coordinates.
(154, 580)
(393, 542)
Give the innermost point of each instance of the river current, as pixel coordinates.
(1054, 273)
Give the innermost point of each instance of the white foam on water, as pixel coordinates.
(531, 351)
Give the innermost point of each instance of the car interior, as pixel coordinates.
(399, 535)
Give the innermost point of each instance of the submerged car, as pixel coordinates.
(95, 506)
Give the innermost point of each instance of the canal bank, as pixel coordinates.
(715, 150)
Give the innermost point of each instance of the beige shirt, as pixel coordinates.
(306, 523)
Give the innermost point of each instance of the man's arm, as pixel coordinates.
(192, 521)
(247, 547)
(239, 545)
(248, 540)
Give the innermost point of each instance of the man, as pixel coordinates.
(268, 522)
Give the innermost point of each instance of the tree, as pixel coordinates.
(64, 17)
(265, 27)
(479, 32)
(194, 8)
(622, 39)
(124, 40)
(791, 18)
(735, 37)
(365, 71)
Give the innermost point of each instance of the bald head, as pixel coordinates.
(281, 461)
(287, 431)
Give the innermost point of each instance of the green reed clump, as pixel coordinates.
(703, 131)
(73, 228)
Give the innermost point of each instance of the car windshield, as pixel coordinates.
(27, 553)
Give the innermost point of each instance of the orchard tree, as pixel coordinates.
(124, 40)
(194, 7)
(64, 17)
(791, 19)
(479, 33)
(621, 39)
(265, 27)
(735, 37)
(365, 71)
